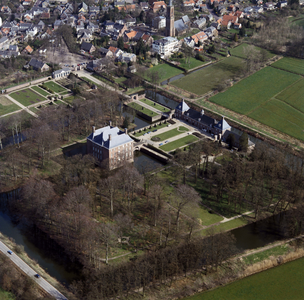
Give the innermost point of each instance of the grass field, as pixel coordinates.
(282, 117)
(293, 95)
(240, 51)
(40, 90)
(253, 91)
(155, 105)
(164, 71)
(142, 109)
(290, 64)
(54, 86)
(283, 282)
(171, 133)
(179, 143)
(203, 81)
(6, 106)
(27, 97)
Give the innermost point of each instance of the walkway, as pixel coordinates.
(31, 273)
(20, 105)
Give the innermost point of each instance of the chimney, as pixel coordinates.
(110, 137)
(110, 123)
(93, 129)
(202, 112)
(126, 130)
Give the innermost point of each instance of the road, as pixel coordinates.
(30, 272)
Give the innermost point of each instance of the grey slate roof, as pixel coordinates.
(86, 46)
(237, 138)
(179, 25)
(35, 63)
(101, 137)
(183, 106)
(223, 125)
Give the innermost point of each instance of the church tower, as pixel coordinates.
(170, 30)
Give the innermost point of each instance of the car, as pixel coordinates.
(37, 275)
(149, 131)
(166, 141)
(154, 130)
(161, 144)
(168, 125)
(10, 252)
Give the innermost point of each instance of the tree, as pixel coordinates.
(108, 236)
(230, 140)
(236, 37)
(120, 43)
(243, 142)
(242, 31)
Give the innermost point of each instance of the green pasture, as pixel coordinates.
(179, 143)
(155, 105)
(193, 63)
(294, 95)
(283, 282)
(27, 97)
(207, 79)
(240, 51)
(290, 64)
(171, 133)
(54, 86)
(6, 106)
(282, 117)
(40, 90)
(142, 109)
(253, 91)
(164, 72)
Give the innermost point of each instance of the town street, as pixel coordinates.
(30, 272)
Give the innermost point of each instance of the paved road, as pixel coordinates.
(30, 272)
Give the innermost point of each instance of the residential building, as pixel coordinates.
(159, 22)
(127, 57)
(28, 49)
(200, 120)
(159, 6)
(166, 46)
(65, 72)
(199, 23)
(82, 7)
(87, 47)
(110, 146)
(182, 25)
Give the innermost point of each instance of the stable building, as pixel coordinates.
(110, 146)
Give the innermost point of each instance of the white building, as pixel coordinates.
(166, 46)
(127, 57)
(0, 21)
(65, 72)
(159, 22)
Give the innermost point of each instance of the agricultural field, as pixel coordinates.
(240, 51)
(6, 106)
(142, 109)
(155, 105)
(179, 143)
(27, 97)
(280, 283)
(270, 96)
(40, 90)
(251, 92)
(164, 71)
(207, 79)
(54, 86)
(171, 133)
(290, 64)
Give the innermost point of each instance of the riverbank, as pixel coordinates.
(19, 251)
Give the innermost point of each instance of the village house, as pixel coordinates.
(38, 65)
(110, 146)
(159, 5)
(87, 47)
(159, 22)
(182, 25)
(28, 50)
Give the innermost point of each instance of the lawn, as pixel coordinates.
(6, 106)
(150, 129)
(179, 143)
(290, 64)
(240, 51)
(207, 79)
(40, 90)
(282, 117)
(164, 72)
(293, 95)
(27, 97)
(142, 109)
(253, 91)
(54, 86)
(283, 282)
(171, 133)
(155, 105)
(194, 63)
